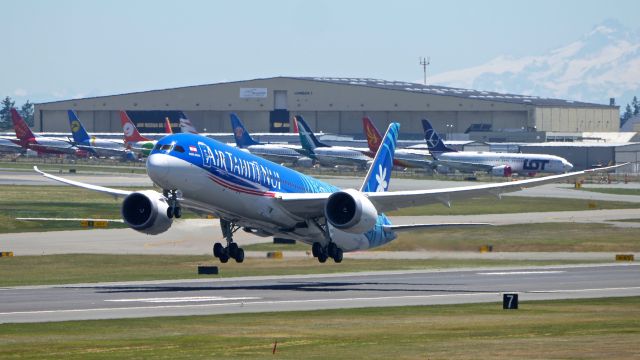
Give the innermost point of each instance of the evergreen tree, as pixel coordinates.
(26, 111)
(636, 105)
(5, 112)
(628, 113)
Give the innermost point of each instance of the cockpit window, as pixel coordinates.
(166, 147)
(158, 146)
(178, 148)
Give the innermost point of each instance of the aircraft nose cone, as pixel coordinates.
(157, 167)
(568, 166)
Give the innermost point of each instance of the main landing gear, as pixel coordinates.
(324, 252)
(174, 209)
(231, 250)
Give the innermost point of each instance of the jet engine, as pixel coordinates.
(502, 170)
(305, 162)
(146, 211)
(350, 211)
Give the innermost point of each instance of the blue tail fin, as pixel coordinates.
(242, 136)
(307, 139)
(434, 141)
(379, 175)
(78, 131)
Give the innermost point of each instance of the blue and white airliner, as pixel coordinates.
(93, 145)
(248, 192)
(497, 164)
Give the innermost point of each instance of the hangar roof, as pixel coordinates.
(406, 87)
(449, 91)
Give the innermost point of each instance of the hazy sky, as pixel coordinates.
(61, 49)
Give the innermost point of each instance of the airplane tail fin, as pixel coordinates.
(186, 126)
(167, 126)
(308, 139)
(78, 131)
(20, 126)
(131, 133)
(242, 136)
(373, 135)
(434, 141)
(379, 174)
(295, 126)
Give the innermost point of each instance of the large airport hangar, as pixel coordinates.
(333, 105)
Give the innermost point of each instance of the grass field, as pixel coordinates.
(81, 268)
(615, 191)
(566, 329)
(522, 237)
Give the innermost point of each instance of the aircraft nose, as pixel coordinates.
(157, 166)
(568, 166)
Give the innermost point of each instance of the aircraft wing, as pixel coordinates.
(312, 205)
(102, 189)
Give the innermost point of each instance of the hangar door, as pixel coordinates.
(279, 117)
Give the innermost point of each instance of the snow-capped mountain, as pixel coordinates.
(604, 63)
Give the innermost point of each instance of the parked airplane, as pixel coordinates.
(246, 191)
(329, 155)
(40, 144)
(280, 153)
(93, 145)
(403, 157)
(186, 126)
(499, 164)
(167, 126)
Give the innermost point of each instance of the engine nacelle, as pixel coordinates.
(350, 211)
(502, 170)
(146, 211)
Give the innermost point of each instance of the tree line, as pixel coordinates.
(630, 110)
(26, 111)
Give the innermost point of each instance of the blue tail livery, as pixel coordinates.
(242, 136)
(434, 141)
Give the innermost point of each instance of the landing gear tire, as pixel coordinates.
(331, 249)
(316, 249)
(224, 256)
(239, 256)
(217, 249)
(233, 249)
(338, 255)
(170, 212)
(177, 212)
(322, 257)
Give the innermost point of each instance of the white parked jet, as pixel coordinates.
(498, 164)
(246, 191)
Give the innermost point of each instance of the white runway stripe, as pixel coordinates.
(520, 272)
(184, 299)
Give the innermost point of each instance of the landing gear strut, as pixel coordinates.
(174, 209)
(231, 250)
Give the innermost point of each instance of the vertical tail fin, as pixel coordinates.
(434, 141)
(167, 126)
(131, 133)
(78, 131)
(186, 126)
(379, 174)
(295, 126)
(307, 138)
(20, 126)
(373, 135)
(242, 136)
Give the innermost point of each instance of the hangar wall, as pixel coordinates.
(335, 106)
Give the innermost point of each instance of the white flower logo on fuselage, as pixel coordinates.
(380, 178)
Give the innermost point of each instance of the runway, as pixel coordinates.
(313, 292)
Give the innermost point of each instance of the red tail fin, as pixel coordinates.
(167, 126)
(20, 126)
(295, 126)
(131, 133)
(373, 136)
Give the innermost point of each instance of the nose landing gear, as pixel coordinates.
(174, 209)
